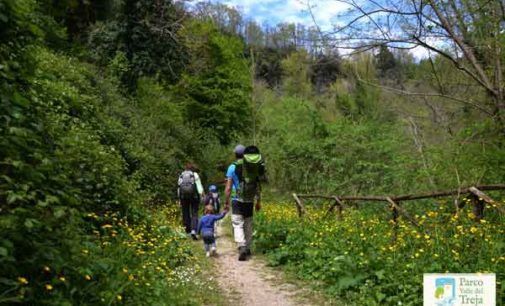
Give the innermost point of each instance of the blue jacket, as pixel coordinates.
(206, 224)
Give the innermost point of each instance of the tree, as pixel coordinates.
(216, 88)
(386, 63)
(324, 71)
(268, 64)
(148, 33)
(225, 18)
(296, 74)
(254, 35)
(470, 34)
(78, 15)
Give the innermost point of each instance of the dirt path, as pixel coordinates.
(250, 282)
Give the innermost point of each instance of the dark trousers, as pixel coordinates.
(190, 214)
(209, 241)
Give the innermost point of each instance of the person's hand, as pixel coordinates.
(258, 206)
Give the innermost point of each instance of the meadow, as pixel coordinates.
(358, 260)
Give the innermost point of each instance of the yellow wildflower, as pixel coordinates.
(49, 287)
(22, 280)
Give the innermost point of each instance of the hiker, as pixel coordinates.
(243, 187)
(206, 229)
(212, 198)
(190, 191)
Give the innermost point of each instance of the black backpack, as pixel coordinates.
(250, 171)
(187, 187)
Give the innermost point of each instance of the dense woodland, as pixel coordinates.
(102, 103)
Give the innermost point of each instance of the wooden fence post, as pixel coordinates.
(478, 199)
(395, 206)
(299, 206)
(477, 207)
(340, 206)
(402, 211)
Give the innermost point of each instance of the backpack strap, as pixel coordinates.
(239, 169)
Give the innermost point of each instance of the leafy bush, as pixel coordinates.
(73, 180)
(344, 156)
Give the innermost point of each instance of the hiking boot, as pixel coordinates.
(248, 252)
(213, 251)
(207, 254)
(193, 235)
(242, 254)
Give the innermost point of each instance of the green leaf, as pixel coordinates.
(29, 223)
(380, 274)
(13, 197)
(59, 212)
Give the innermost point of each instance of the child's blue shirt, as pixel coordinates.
(206, 224)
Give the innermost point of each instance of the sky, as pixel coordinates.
(296, 11)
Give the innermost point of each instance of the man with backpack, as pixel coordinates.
(190, 191)
(243, 179)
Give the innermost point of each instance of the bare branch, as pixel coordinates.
(407, 93)
(469, 54)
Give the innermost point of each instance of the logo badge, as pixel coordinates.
(458, 289)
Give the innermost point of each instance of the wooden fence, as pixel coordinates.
(475, 193)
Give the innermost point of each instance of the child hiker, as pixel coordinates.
(212, 198)
(206, 229)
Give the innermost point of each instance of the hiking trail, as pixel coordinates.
(251, 282)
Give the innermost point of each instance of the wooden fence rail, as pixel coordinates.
(475, 194)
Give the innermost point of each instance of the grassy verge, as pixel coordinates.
(210, 293)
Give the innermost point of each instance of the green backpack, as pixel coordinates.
(250, 171)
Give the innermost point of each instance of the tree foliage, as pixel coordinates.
(216, 90)
(147, 33)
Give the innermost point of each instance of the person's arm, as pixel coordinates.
(227, 193)
(179, 181)
(199, 187)
(220, 216)
(228, 186)
(199, 226)
(258, 198)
